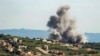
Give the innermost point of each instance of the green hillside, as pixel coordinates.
(18, 46)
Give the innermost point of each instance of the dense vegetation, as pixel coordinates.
(32, 44)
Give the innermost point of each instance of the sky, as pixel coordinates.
(34, 14)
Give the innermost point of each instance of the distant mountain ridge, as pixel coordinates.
(92, 37)
(26, 32)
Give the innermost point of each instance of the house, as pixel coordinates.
(37, 39)
(21, 48)
(48, 41)
(55, 41)
(15, 39)
(20, 41)
(44, 40)
(11, 41)
(78, 45)
(4, 43)
(10, 49)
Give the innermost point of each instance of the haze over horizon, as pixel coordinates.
(34, 14)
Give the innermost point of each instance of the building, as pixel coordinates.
(20, 41)
(15, 39)
(44, 40)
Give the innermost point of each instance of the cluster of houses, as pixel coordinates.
(17, 48)
(61, 43)
(52, 52)
(45, 49)
(76, 46)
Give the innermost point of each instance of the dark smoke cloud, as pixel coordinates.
(53, 22)
(62, 10)
(63, 28)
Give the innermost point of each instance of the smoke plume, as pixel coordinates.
(63, 28)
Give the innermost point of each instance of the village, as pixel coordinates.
(15, 47)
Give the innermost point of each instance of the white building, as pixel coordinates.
(44, 40)
(15, 39)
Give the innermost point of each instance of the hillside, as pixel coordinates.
(92, 37)
(16, 46)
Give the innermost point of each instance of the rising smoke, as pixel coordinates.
(63, 28)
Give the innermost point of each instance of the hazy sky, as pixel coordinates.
(34, 14)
